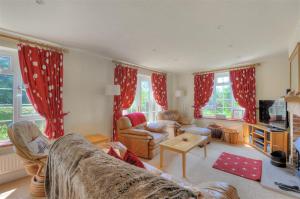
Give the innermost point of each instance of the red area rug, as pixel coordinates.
(239, 165)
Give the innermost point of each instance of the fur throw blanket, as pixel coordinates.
(77, 169)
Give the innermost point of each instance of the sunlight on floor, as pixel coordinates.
(6, 194)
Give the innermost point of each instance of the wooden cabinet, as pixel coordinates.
(264, 139)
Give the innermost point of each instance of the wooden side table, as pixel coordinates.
(97, 139)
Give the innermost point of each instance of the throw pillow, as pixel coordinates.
(130, 158)
(113, 153)
(39, 145)
(155, 127)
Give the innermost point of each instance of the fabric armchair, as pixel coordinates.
(142, 142)
(174, 121)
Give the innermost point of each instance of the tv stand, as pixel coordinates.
(265, 139)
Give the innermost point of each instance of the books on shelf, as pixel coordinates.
(260, 132)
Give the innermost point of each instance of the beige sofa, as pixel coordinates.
(175, 121)
(207, 190)
(143, 143)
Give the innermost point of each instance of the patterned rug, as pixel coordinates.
(239, 165)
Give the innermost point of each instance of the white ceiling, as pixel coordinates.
(171, 35)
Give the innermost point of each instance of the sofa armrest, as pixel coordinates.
(137, 133)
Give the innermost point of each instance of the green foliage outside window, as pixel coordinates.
(222, 102)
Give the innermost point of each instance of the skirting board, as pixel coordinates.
(8, 177)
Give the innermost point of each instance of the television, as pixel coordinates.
(273, 113)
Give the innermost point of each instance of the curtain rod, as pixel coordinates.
(25, 40)
(137, 66)
(225, 69)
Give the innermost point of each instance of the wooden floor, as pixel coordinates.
(16, 190)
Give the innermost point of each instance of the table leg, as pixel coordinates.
(161, 157)
(183, 164)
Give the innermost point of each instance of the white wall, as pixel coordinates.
(85, 77)
(272, 80)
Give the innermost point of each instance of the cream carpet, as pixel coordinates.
(200, 169)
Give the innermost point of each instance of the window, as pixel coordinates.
(14, 104)
(222, 104)
(144, 101)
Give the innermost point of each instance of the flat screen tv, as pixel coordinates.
(273, 113)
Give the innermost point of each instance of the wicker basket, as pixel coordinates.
(37, 188)
(231, 136)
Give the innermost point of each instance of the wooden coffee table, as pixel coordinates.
(177, 144)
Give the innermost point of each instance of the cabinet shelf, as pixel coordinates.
(264, 140)
(259, 141)
(258, 135)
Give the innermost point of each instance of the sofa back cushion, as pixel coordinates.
(169, 115)
(124, 123)
(136, 118)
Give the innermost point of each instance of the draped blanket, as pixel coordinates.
(77, 169)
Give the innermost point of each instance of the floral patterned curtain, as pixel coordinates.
(126, 77)
(244, 91)
(203, 88)
(42, 73)
(159, 87)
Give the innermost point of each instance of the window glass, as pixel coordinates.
(14, 103)
(41, 124)
(4, 62)
(26, 106)
(222, 103)
(145, 95)
(144, 101)
(6, 104)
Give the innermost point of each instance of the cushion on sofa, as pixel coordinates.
(130, 158)
(136, 118)
(113, 153)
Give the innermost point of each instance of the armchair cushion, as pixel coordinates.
(124, 123)
(39, 145)
(184, 121)
(136, 118)
(157, 127)
(169, 115)
(158, 137)
(136, 132)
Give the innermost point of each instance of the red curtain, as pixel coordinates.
(42, 73)
(243, 87)
(127, 79)
(159, 87)
(203, 88)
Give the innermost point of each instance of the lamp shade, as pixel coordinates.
(178, 93)
(112, 90)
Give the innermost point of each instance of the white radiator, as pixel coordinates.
(10, 163)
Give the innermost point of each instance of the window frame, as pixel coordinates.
(232, 108)
(157, 108)
(15, 72)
